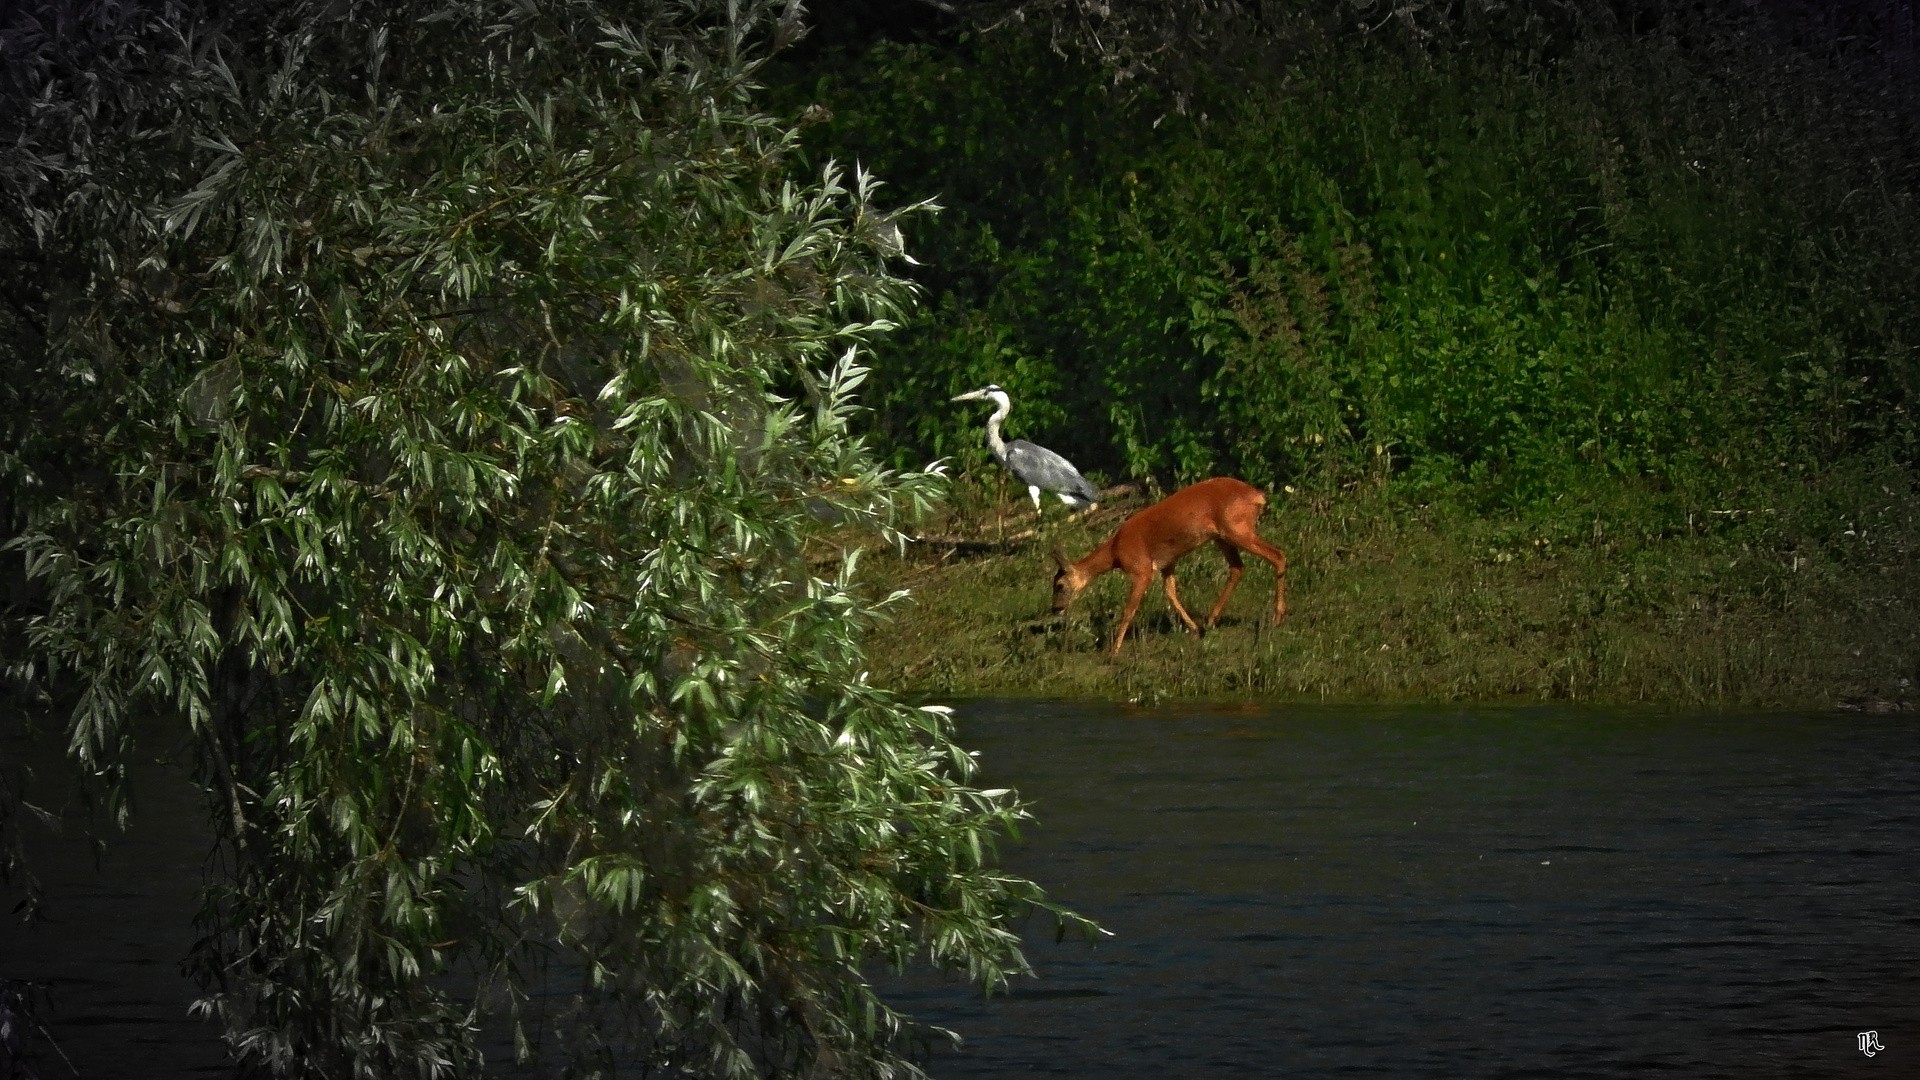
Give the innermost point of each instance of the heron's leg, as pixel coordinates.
(1033, 492)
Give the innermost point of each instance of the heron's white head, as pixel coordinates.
(990, 392)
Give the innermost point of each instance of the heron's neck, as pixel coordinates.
(1002, 406)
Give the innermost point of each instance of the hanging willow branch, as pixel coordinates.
(425, 406)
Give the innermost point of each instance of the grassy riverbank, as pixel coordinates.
(1400, 602)
(1588, 345)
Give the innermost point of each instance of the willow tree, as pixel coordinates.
(440, 410)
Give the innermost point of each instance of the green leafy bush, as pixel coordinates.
(429, 407)
(1521, 262)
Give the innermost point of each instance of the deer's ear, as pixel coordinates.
(1060, 559)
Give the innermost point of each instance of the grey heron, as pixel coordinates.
(1036, 466)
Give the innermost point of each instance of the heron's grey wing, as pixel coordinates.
(1046, 470)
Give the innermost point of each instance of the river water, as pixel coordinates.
(1330, 892)
(1313, 892)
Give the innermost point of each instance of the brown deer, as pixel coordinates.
(1223, 510)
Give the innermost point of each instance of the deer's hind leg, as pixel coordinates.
(1234, 570)
(1242, 530)
(1251, 542)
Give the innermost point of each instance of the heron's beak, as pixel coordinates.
(972, 395)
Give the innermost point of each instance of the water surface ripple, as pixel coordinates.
(1320, 892)
(1307, 892)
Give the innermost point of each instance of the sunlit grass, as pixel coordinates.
(1404, 603)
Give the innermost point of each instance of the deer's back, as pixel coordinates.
(1186, 519)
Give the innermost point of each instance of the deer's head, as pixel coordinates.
(1067, 581)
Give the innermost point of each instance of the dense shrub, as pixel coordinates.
(423, 411)
(1669, 251)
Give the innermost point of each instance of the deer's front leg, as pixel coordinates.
(1173, 597)
(1138, 590)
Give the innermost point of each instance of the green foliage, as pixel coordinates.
(430, 407)
(1508, 268)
